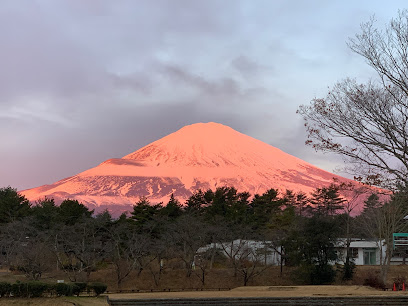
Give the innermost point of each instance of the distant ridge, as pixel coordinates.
(198, 156)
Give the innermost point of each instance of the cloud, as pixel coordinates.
(248, 67)
(84, 81)
(179, 76)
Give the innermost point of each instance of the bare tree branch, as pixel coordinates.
(367, 123)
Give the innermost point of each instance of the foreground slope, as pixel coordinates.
(198, 156)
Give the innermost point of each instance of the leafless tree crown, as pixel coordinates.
(367, 123)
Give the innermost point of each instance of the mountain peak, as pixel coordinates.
(202, 144)
(205, 127)
(198, 136)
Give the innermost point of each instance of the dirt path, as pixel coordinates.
(267, 291)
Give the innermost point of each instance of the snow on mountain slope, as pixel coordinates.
(198, 156)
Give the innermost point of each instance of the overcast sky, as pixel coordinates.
(83, 81)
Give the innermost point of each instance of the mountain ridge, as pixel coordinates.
(198, 156)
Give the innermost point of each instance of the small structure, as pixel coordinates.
(400, 240)
(400, 248)
(362, 252)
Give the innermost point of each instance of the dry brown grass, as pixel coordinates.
(177, 279)
(224, 278)
(63, 301)
(216, 278)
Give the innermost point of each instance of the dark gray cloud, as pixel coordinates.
(182, 78)
(249, 68)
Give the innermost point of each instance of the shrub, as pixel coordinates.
(5, 289)
(348, 270)
(36, 289)
(310, 274)
(79, 287)
(17, 289)
(60, 289)
(373, 281)
(98, 288)
(29, 289)
(322, 274)
(69, 289)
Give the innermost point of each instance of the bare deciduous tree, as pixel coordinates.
(80, 247)
(353, 195)
(187, 235)
(381, 222)
(368, 123)
(248, 257)
(203, 262)
(120, 248)
(251, 263)
(26, 249)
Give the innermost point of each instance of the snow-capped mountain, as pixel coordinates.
(198, 156)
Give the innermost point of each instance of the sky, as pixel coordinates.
(83, 81)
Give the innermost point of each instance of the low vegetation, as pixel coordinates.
(38, 289)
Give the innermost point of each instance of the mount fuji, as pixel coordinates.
(198, 156)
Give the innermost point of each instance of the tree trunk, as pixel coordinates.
(212, 256)
(281, 262)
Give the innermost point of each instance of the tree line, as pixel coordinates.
(303, 229)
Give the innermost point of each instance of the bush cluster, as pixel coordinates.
(97, 288)
(374, 281)
(38, 289)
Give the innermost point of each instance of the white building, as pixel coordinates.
(261, 251)
(363, 252)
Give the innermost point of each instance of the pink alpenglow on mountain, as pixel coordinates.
(198, 156)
